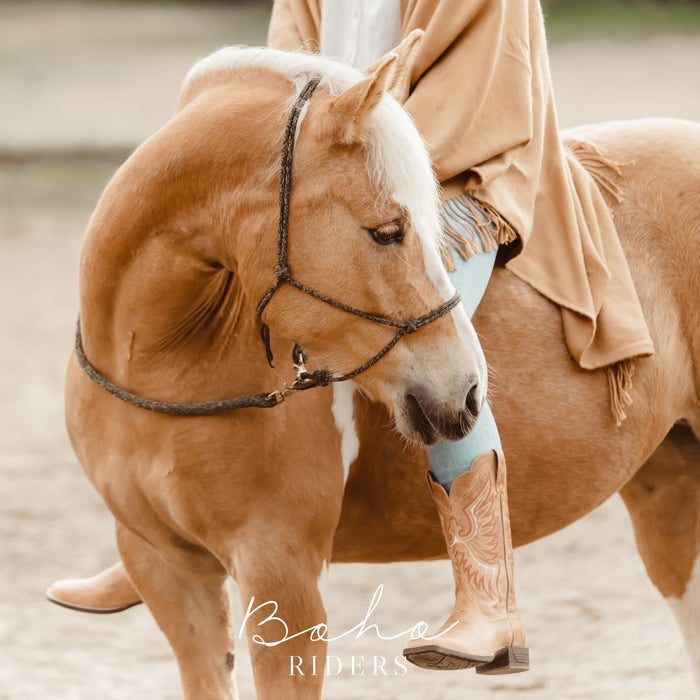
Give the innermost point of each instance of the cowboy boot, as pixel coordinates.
(110, 591)
(484, 629)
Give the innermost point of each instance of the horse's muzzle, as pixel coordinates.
(431, 421)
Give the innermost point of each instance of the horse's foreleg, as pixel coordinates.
(663, 499)
(186, 592)
(279, 586)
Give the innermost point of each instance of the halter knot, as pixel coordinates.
(411, 326)
(282, 272)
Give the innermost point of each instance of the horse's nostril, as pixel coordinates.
(472, 402)
(421, 423)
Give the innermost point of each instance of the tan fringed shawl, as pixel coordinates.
(481, 95)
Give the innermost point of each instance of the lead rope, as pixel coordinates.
(203, 408)
(304, 380)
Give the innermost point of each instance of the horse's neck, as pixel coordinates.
(161, 303)
(162, 310)
(177, 330)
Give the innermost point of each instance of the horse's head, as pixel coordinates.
(363, 230)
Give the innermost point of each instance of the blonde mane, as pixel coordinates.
(397, 160)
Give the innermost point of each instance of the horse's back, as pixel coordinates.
(659, 161)
(658, 219)
(671, 144)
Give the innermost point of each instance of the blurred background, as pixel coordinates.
(100, 77)
(83, 83)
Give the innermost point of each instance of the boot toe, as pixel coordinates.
(70, 594)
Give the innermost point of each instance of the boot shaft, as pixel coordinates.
(476, 525)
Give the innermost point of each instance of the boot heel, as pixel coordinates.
(507, 660)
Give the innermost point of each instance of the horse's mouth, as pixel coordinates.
(431, 426)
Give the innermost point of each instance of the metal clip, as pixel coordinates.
(281, 394)
(279, 397)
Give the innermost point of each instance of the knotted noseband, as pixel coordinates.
(304, 379)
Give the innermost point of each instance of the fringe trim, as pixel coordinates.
(599, 166)
(604, 171)
(620, 384)
(488, 225)
(493, 230)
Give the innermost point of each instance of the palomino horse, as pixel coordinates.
(178, 254)
(196, 237)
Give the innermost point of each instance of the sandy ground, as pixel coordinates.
(88, 78)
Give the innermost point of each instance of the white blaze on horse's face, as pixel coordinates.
(364, 230)
(400, 164)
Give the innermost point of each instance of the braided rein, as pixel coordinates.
(304, 380)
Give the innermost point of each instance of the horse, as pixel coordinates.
(178, 270)
(176, 261)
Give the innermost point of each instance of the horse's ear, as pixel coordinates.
(347, 114)
(406, 51)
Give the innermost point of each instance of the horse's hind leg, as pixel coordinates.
(188, 597)
(663, 499)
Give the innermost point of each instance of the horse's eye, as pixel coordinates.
(388, 233)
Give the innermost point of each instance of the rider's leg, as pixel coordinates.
(467, 479)
(109, 591)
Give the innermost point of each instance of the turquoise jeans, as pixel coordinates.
(450, 459)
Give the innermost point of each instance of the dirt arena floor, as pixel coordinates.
(90, 80)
